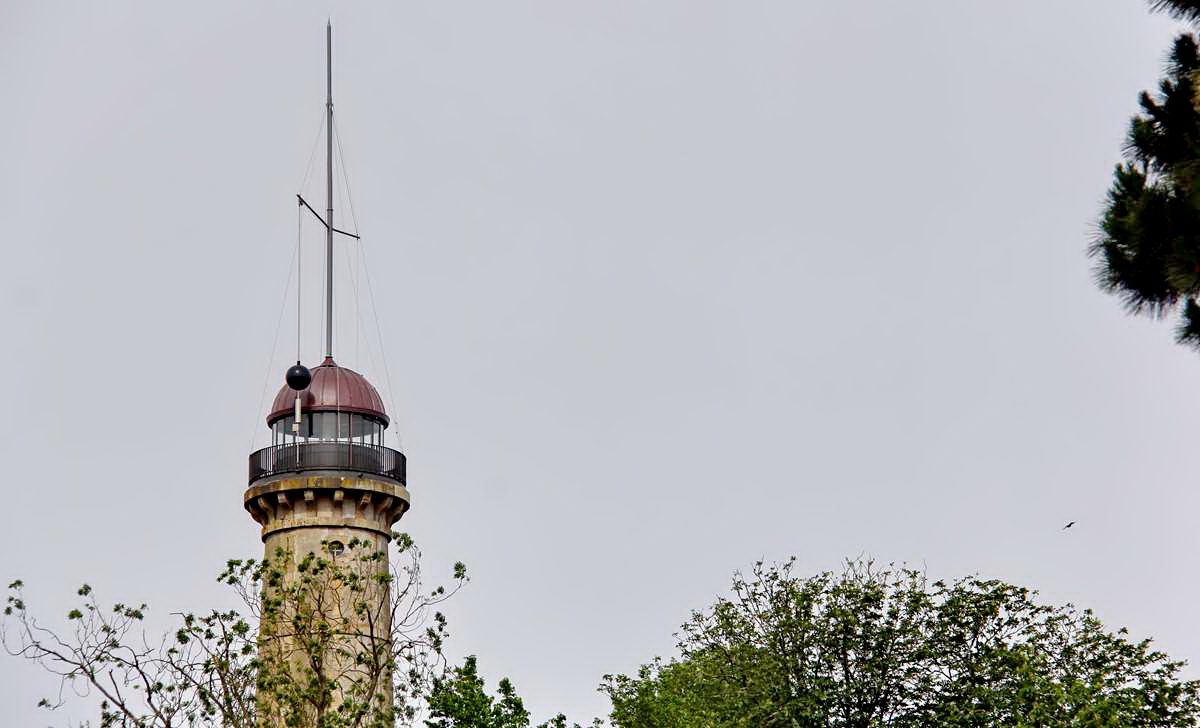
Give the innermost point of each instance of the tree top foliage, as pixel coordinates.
(459, 699)
(886, 647)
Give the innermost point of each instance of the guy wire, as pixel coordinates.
(274, 343)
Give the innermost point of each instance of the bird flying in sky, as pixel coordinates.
(1072, 523)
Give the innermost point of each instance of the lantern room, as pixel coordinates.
(329, 419)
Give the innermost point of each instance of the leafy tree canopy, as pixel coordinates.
(885, 647)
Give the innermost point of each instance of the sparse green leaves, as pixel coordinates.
(343, 640)
(401, 541)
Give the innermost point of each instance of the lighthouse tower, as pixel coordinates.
(325, 494)
(329, 476)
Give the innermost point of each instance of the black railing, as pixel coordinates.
(298, 457)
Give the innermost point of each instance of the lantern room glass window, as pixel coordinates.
(329, 427)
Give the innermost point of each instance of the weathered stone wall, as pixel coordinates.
(302, 514)
(326, 501)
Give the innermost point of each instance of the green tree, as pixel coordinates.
(1148, 244)
(324, 650)
(874, 647)
(459, 699)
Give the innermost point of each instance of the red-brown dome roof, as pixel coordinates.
(333, 389)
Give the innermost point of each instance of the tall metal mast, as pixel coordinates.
(329, 190)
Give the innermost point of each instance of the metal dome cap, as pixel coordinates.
(332, 389)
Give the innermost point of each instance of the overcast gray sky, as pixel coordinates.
(665, 287)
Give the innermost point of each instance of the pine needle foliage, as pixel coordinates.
(1183, 9)
(1148, 242)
